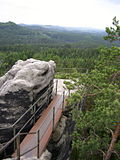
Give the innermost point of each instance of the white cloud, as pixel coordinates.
(85, 13)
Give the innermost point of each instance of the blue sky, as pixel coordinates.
(74, 13)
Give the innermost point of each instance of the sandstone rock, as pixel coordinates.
(30, 75)
(61, 147)
(46, 155)
(19, 87)
(59, 130)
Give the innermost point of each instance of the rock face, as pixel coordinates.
(46, 155)
(19, 87)
(60, 143)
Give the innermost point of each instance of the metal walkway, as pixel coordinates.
(38, 137)
(35, 142)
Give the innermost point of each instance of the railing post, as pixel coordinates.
(18, 147)
(53, 119)
(38, 139)
(63, 100)
(34, 110)
(56, 87)
(48, 96)
(14, 133)
(4, 152)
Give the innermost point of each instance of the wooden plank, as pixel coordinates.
(45, 125)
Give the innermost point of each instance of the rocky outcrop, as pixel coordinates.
(46, 155)
(19, 88)
(60, 143)
(57, 134)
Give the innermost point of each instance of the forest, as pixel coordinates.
(96, 104)
(69, 49)
(14, 34)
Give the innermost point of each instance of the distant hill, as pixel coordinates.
(60, 28)
(11, 33)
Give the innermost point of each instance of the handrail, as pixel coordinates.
(66, 69)
(12, 140)
(17, 136)
(42, 124)
(30, 118)
(43, 99)
(31, 106)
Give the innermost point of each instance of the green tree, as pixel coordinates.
(96, 109)
(113, 32)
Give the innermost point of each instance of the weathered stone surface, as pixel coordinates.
(30, 75)
(61, 147)
(46, 155)
(59, 130)
(19, 87)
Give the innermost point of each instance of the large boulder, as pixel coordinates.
(19, 88)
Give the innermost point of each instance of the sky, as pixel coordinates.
(70, 13)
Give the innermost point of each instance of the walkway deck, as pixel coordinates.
(43, 127)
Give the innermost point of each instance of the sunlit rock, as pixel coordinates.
(19, 88)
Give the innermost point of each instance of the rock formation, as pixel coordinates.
(19, 87)
(60, 143)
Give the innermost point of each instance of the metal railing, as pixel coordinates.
(72, 70)
(33, 111)
(39, 133)
(59, 106)
(37, 146)
(17, 139)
